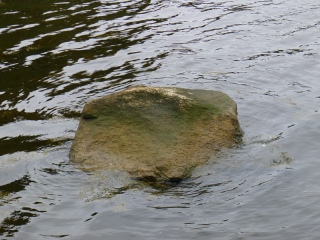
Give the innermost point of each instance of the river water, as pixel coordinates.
(57, 54)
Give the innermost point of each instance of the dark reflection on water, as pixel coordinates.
(10, 225)
(15, 186)
(56, 35)
(7, 116)
(56, 55)
(26, 144)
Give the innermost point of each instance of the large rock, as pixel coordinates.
(158, 134)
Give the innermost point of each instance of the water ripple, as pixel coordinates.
(56, 56)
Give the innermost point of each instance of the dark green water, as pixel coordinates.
(56, 55)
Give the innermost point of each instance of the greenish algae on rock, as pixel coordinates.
(153, 133)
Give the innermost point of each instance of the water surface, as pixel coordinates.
(57, 55)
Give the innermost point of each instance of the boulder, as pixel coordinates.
(153, 133)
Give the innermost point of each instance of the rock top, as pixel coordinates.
(153, 133)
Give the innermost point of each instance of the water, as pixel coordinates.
(56, 55)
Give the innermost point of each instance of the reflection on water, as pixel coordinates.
(11, 224)
(15, 186)
(56, 55)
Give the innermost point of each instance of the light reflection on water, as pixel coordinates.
(56, 56)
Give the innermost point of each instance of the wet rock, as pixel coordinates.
(157, 134)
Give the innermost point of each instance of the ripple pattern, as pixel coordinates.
(56, 55)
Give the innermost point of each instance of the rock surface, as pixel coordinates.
(157, 134)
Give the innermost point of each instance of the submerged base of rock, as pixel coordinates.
(158, 134)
